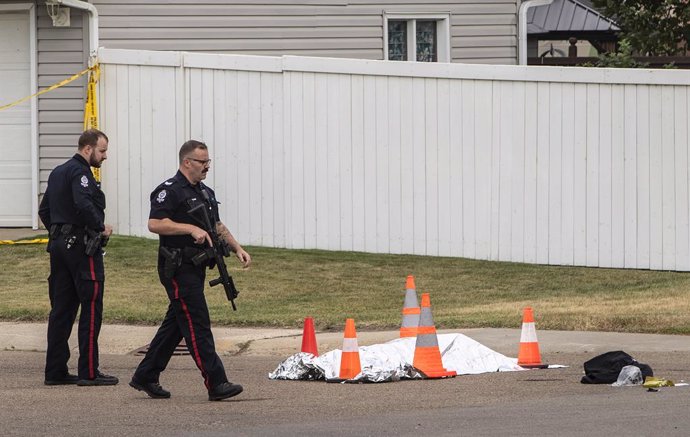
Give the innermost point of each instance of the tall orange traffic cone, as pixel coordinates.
(528, 355)
(309, 337)
(410, 311)
(427, 355)
(349, 359)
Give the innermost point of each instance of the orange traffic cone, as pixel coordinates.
(349, 359)
(309, 337)
(528, 355)
(410, 311)
(427, 355)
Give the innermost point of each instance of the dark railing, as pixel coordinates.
(682, 62)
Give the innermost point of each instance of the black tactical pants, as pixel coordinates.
(75, 280)
(187, 317)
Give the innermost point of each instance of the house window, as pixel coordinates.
(397, 40)
(426, 41)
(419, 37)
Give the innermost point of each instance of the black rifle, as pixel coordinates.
(219, 250)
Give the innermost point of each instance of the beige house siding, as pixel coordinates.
(481, 31)
(62, 51)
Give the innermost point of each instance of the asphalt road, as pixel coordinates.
(536, 402)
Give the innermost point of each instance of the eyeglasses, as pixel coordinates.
(203, 162)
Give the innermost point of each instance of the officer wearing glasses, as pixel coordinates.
(181, 240)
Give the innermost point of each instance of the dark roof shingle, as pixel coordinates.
(568, 16)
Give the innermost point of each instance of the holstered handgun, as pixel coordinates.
(173, 260)
(93, 241)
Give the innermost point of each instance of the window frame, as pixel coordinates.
(442, 33)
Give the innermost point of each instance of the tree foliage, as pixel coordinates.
(622, 58)
(653, 27)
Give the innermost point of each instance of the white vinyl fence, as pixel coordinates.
(564, 166)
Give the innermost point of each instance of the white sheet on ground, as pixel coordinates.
(392, 361)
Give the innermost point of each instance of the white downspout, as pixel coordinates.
(522, 27)
(93, 23)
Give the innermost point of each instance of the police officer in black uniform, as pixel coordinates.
(72, 210)
(182, 239)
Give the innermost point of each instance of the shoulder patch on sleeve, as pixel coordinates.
(84, 181)
(161, 196)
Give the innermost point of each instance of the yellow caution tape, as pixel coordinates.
(91, 106)
(91, 109)
(50, 88)
(34, 241)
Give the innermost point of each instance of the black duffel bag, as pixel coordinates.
(604, 368)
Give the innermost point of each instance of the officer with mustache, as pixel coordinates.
(182, 242)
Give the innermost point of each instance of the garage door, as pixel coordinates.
(15, 123)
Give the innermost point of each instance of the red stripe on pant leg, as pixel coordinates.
(197, 356)
(176, 288)
(92, 325)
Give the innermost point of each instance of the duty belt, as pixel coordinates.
(93, 240)
(187, 254)
(65, 228)
(174, 257)
(190, 253)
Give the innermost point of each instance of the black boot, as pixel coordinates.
(64, 380)
(153, 389)
(100, 379)
(224, 390)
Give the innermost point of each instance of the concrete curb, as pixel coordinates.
(125, 339)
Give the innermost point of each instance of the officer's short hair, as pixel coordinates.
(90, 138)
(190, 146)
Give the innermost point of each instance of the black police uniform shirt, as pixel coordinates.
(173, 199)
(73, 196)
